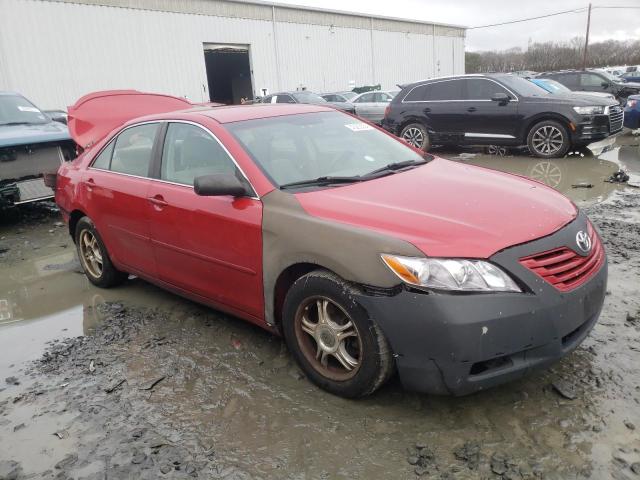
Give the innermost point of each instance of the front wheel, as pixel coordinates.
(548, 139)
(416, 134)
(94, 257)
(332, 338)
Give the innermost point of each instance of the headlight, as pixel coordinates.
(451, 274)
(589, 110)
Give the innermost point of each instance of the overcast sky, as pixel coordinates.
(605, 24)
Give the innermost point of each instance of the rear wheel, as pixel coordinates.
(548, 139)
(332, 337)
(416, 134)
(94, 257)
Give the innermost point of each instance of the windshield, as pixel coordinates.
(523, 87)
(295, 148)
(308, 97)
(551, 86)
(15, 109)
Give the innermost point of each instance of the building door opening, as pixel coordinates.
(228, 73)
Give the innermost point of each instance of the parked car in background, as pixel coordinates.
(631, 77)
(356, 248)
(557, 88)
(308, 98)
(371, 105)
(499, 109)
(632, 112)
(633, 68)
(594, 81)
(31, 143)
(339, 97)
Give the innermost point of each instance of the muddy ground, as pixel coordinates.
(135, 382)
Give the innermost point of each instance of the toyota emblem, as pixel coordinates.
(583, 241)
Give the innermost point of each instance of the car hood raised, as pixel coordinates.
(447, 209)
(96, 114)
(14, 135)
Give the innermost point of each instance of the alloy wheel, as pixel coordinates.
(328, 338)
(90, 254)
(547, 140)
(414, 136)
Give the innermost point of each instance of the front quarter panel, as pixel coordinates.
(292, 236)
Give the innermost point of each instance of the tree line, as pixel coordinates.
(545, 56)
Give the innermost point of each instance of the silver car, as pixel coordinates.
(371, 105)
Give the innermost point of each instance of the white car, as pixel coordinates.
(371, 105)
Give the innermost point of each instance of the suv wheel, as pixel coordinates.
(332, 338)
(416, 134)
(548, 139)
(94, 258)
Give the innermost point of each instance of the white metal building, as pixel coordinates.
(54, 51)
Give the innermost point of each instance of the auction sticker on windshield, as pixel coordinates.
(358, 127)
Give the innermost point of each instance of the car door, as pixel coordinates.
(210, 247)
(377, 108)
(116, 187)
(487, 121)
(364, 104)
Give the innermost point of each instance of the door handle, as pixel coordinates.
(90, 185)
(158, 201)
(427, 110)
(471, 109)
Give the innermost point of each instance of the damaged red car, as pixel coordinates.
(368, 257)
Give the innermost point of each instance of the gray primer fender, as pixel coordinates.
(290, 236)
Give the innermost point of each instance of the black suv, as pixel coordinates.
(498, 109)
(594, 81)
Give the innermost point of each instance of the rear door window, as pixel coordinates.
(367, 97)
(568, 79)
(189, 152)
(132, 150)
(446, 90)
(103, 161)
(482, 89)
(285, 99)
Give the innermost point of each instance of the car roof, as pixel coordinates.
(454, 77)
(238, 113)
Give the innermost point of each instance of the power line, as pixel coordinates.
(578, 10)
(564, 12)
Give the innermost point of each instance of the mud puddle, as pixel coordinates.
(159, 387)
(582, 175)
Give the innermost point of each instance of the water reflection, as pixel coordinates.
(48, 298)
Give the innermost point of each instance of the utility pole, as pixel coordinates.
(586, 40)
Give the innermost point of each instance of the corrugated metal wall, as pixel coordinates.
(54, 52)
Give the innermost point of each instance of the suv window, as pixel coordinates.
(266, 99)
(367, 97)
(591, 80)
(568, 79)
(103, 160)
(482, 89)
(446, 90)
(284, 99)
(190, 152)
(132, 150)
(417, 94)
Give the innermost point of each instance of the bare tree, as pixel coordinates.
(554, 56)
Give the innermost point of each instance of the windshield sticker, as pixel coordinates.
(358, 127)
(28, 109)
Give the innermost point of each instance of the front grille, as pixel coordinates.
(616, 117)
(565, 269)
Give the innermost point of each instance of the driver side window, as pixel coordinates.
(190, 152)
(367, 97)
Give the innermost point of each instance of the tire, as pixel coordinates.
(548, 139)
(94, 257)
(347, 331)
(416, 134)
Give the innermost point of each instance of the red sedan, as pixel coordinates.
(367, 256)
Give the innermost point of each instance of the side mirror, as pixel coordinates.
(219, 185)
(501, 98)
(605, 84)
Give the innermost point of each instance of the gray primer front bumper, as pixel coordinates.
(438, 338)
